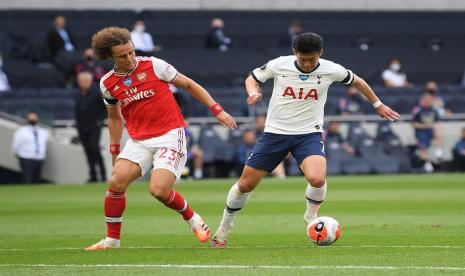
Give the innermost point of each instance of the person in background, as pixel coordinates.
(244, 148)
(90, 112)
(4, 84)
(89, 63)
(194, 154)
(143, 41)
(439, 104)
(294, 30)
(30, 146)
(352, 103)
(333, 134)
(427, 128)
(459, 152)
(59, 38)
(394, 76)
(216, 38)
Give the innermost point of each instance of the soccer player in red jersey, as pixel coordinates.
(137, 91)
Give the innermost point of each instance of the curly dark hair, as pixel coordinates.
(103, 40)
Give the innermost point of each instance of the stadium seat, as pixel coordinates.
(334, 167)
(356, 166)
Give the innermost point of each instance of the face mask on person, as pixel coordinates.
(431, 91)
(395, 67)
(32, 122)
(139, 28)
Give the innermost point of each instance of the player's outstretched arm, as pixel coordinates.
(202, 95)
(115, 127)
(253, 90)
(383, 110)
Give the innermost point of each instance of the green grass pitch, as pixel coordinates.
(391, 225)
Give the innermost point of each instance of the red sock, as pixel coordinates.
(115, 202)
(179, 204)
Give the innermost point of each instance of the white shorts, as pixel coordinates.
(163, 152)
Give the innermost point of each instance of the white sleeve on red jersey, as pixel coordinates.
(265, 72)
(108, 99)
(164, 70)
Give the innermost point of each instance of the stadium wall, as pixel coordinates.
(298, 5)
(65, 162)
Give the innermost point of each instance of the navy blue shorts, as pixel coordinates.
(271, 149)
(424, 138)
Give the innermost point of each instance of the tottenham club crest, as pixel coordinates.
(303, 77)
(142, 76)
(127, 81)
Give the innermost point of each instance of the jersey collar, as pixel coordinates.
(127, 73)
(300, 69)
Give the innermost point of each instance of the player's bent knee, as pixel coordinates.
(250, 179)
(245, 187)
(159, 193)
(117, 185)
(317, 181)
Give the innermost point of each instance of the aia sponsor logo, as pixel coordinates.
(301, 94)
(142, 76)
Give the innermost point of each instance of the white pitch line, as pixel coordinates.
(250, 247)
(206, 266)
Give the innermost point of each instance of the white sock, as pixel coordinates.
(235, 202)
(315, 196)
(198, 173)
(112, 242)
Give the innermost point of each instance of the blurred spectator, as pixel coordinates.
(90, 111)
(333, 137)
(425, 123)
(431, 88)
(194, 156)
(459, 152)
(4, 85)
(142, 40)
(216, 38)
(62, 47)
(30, 146)
(351, 104)
(89, 63)
(59, 38)
(394, 76)
(244, 148)
(293, 31)
(260, 120)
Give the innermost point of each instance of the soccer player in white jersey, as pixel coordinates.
(294, 124)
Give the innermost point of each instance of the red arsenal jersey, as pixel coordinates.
(147, 104)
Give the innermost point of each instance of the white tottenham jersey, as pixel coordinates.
(298, 99)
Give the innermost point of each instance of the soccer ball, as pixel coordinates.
(324, 230)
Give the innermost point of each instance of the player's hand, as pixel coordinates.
(254, 98)
(386, 112)
(226, 120)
